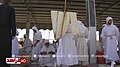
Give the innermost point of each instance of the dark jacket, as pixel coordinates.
(7, 30)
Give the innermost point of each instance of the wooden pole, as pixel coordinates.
(65, 5)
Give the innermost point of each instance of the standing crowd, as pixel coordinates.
(70, 49)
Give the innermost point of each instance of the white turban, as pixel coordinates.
(34, 28)
(107, 19)
(81, 27)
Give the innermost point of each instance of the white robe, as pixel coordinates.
(49, 60)
(110, 44)
(15, 48)
(119, 43)
(82, 47)
(36, 50)
(67, 49)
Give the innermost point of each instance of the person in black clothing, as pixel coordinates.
(7, 31)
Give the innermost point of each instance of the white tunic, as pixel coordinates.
(36, 50)
(15, 48)
(67, 50)
(82, 47)
(110, 44)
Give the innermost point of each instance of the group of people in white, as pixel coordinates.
(69, 50)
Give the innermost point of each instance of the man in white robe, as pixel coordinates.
(36, 43)
(109, 37)
(66, 30)
(46, 52)
(82, 47)
(15, 44)
(67, 52)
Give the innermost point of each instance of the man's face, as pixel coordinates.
(34, 31)
(110, 22)
(46, 44)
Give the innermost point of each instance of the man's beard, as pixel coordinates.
(109, 23)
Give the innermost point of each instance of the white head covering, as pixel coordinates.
(81, 27)
(107, 19)
(34, 28)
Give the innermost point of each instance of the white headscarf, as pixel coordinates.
(81, 26)
(34, 28)
(107, 19)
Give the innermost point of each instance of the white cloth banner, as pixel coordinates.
(57, 22)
